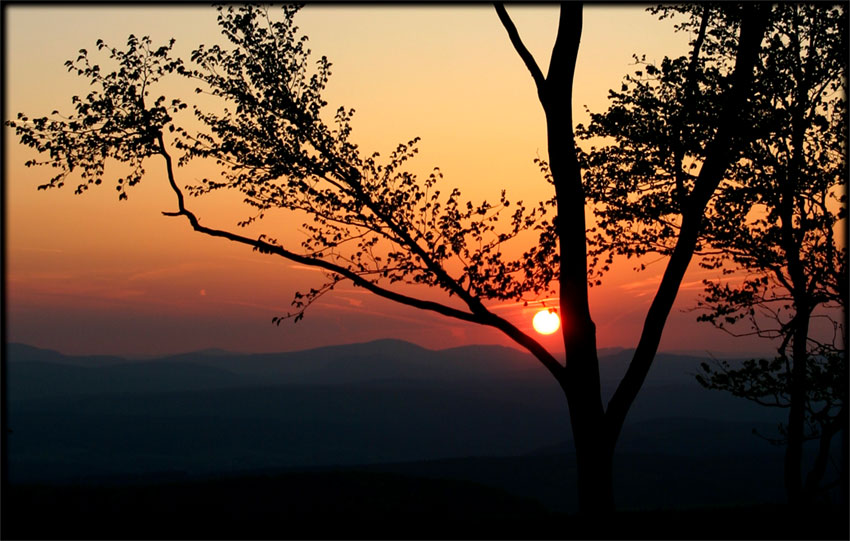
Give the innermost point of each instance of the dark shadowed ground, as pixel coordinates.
(363, 505)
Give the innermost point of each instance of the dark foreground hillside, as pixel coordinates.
(357, 505)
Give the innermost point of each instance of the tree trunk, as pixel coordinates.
(790, 241)
(595, 434)
(581, 376)
(594, 461)
(844, 480)
(815, 476)
(796, 415)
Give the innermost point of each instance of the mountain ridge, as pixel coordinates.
(18, 349)
(37, 372)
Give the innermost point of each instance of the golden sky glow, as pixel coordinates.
(87, 274)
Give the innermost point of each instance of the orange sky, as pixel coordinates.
(87, 274)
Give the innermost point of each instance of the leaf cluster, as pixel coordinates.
(115, 120)
(653, 139)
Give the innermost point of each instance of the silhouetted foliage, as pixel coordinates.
(366, 214)
(771, 228)
(112, 121)
(795, 178)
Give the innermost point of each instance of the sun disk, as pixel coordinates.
(546, 321)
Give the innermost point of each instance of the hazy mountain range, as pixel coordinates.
(388, 404)
(42, 373)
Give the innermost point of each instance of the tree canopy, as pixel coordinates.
(772, 229)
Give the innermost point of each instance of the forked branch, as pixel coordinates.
(521, 49)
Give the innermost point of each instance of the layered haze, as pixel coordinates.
(477, 413)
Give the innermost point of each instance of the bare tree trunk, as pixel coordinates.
(796, 416)
(581, 379)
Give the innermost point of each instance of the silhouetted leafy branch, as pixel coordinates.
(112, 121)
(369, 220)
(276, 149)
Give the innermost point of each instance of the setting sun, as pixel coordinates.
(546, 321)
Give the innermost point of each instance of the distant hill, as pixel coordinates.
(685, 436)
(369, 361)
(23, 353)
(272, 426)
(513, 375)
(377, 360)
(385, 357)
(666, 368)
(36, 379)
(480, 372)
(40, 373)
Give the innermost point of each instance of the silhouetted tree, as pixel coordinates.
(370, 221)
(596, 429)
(772, 223)
(795, 175)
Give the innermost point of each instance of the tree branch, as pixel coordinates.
(521, 49)
(687, 103)
(481, 317)
(267, 247)
(720, 153)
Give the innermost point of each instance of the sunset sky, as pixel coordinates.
(90, 274)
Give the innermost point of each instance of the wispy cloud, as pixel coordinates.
(548, 301)
(38, 250)
(307, 267)
(350, 301)
(180, 269)
(265, 307)
(646, 283)
(37, 277)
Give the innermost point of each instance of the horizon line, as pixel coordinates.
(609, 350)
